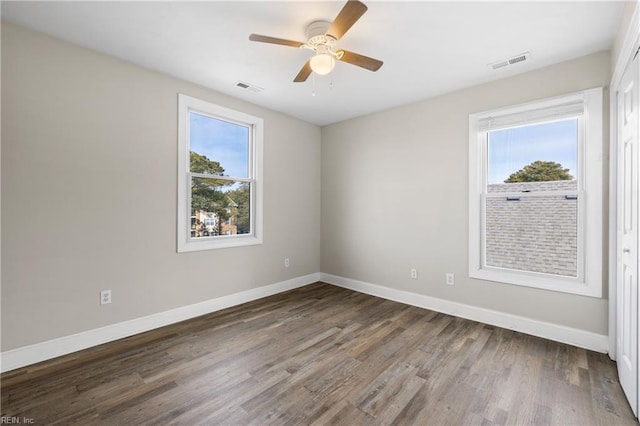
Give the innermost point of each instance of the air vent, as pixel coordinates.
(511, 61)
(517, 59)
(248, 86)
(500, 64)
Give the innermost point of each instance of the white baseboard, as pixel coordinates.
(572, 336)
(27, 355)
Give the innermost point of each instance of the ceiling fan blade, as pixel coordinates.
(274, 40)
(349, 15)
(304, 73)
(361, 61)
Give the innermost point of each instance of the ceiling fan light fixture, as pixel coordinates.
(322, 37)
(322, 63)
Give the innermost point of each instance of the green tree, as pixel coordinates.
(241, 197)
(540, 171)
(201, 164)
(206, 193)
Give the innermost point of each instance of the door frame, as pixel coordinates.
(627, 53)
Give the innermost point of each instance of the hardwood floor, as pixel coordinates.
(322, 355)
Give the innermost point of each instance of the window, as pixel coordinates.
(219, 176)
(535, 194)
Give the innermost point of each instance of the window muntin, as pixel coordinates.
(220, 202)
(545, 234)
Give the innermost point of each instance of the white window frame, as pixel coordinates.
(590, 183)
(186, 105)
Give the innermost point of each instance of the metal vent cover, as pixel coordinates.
(510, 61)
(517, 59)
(497, 65)
(248, 86)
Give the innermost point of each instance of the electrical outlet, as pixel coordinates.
(105, 297)
(414, 274)
(450, 278)
(286, 262)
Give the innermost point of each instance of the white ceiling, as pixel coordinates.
(428, 48)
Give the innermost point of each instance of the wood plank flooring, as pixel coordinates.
(322, 355)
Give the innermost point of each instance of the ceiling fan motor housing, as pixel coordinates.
(317, 28)
(320, 42)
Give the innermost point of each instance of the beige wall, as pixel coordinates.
(89, 147)
(395, 196)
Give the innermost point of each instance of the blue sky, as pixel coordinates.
(221, 141)
(512, 149)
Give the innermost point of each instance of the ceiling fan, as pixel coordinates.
(322, 37)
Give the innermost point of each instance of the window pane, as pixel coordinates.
(539, 152)
(218, 147)
(534, 234)
(220, 207)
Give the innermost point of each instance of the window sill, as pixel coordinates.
(540, 281)
(218, 243)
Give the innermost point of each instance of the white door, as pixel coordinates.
(627, 250)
